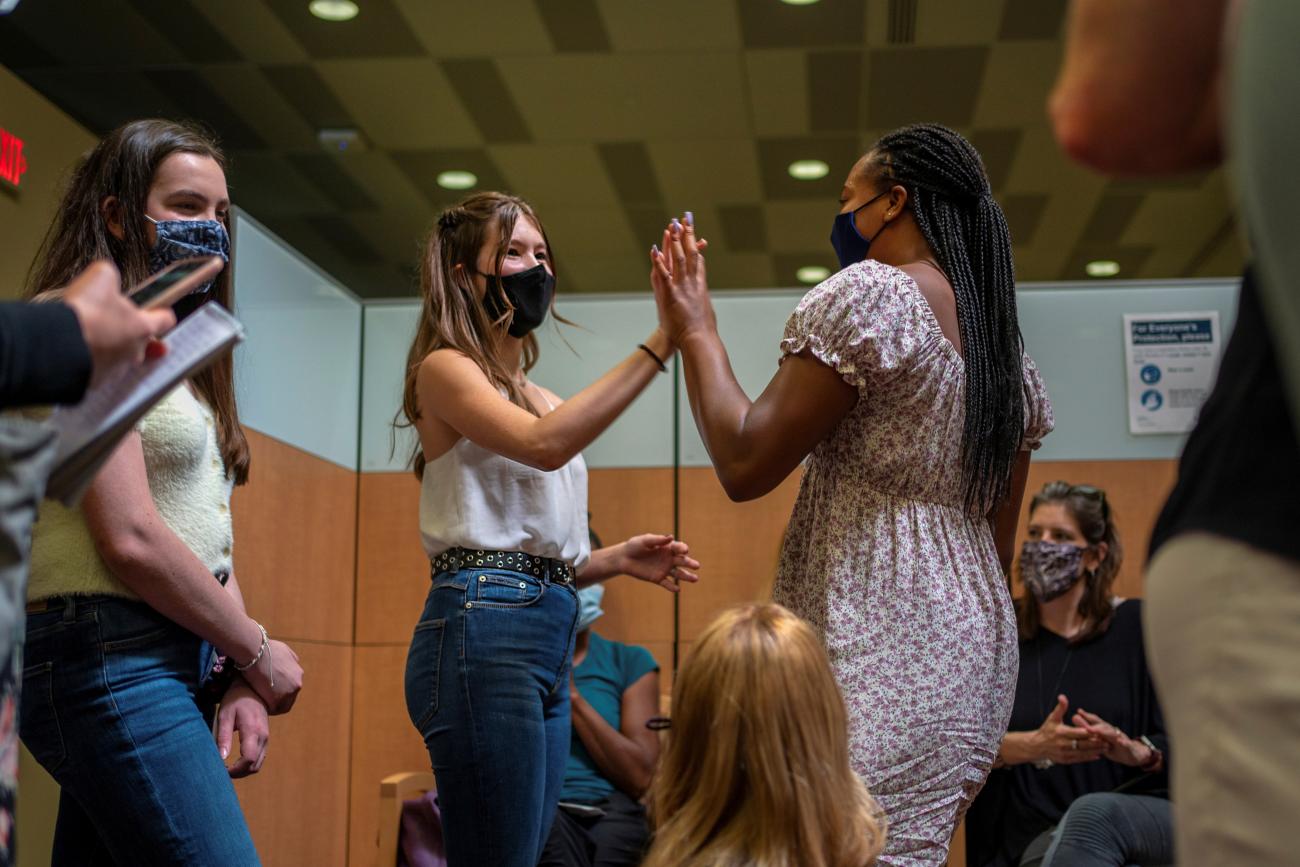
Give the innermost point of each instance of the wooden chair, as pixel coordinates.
(393, 791)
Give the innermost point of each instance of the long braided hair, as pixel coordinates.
(952, 203)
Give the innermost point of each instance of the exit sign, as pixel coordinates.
(12, 161)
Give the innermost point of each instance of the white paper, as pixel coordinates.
(1171, 360)
(90, 430)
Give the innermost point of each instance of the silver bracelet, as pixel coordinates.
(264, 648)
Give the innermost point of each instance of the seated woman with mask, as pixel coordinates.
(1081, 775)
(614, 690)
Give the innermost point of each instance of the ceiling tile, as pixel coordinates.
(740, 271)
(302, 87)
(101, 34)
(574, 25)
(1017, 80)
(483, 28)
(423, 167)
(1023, 211)
(997, 149)
(691, 173)
(329, 174)
(775, 155)
(256, 32)
(781, 25)
(566, 175)
(913, 85)
(778, 92)
(744, 228)
(798, 227)
(272, 117)
(970, 22)
(835, 90)
(193, 35)
(626, 97)
(631, 172)
(483, 93)
(1110, 217)
(671, 25)
(1032, 19)
(378, 31)
(401, 104)
(267, 186)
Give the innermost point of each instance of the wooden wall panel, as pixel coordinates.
(295, 534)
(1136, 491)
(297, 806)
(392, 569)
(383, 742)
(737, 543)
(623, 503)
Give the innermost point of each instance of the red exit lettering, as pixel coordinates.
(12, 161)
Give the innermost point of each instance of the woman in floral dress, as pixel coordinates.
(904, 384)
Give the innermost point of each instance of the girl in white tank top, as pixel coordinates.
(503, 518)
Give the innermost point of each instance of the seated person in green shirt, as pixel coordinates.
(615, 691)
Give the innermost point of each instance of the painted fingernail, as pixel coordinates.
(677, 225)
(690, 219)
(654, 248)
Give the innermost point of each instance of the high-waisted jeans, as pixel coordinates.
(487, 687)
(108, 708)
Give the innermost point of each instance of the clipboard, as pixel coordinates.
(89, 431)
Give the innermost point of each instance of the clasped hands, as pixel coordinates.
(1088, 738)
(681, 287)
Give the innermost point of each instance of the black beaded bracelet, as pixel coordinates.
(663, 368)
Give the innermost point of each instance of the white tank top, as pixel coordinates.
(471, 497)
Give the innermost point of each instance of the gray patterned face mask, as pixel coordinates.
(1050, 569)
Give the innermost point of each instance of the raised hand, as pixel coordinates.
(681, 287)
(115, 330)
(1116, 746)
(659, 559)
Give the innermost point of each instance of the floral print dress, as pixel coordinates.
(883, 560)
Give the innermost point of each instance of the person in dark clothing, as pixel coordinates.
(1086, 721)
(49, 353)
(615, 692)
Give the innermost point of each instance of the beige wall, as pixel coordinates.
(53, 142)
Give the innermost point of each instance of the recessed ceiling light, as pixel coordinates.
(457, 180)
(808, 170)
(799, 2)
(812, 274)
(333, 10)
(1102, 268)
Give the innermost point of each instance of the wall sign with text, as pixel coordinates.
(12, 161)
(1171, 359)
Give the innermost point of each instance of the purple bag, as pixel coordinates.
(419, 842)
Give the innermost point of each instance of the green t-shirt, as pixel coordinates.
(605, 673)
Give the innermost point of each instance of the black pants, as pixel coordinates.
(617, 839)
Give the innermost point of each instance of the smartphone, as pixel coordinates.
(174, 282)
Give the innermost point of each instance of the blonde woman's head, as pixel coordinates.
(756, 770)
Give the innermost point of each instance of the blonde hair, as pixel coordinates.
(453, 316)
(756, 770)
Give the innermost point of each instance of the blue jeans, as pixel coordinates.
(487, 687)
(1109, 828)
(108, 709)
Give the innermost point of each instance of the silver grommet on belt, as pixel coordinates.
(482, 579)
(469, 604)
(522, 585)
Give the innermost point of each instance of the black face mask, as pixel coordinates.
(529, 292)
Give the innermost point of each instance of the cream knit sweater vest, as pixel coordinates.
(190, 491)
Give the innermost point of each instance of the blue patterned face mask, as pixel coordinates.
(589, 605)
(182, 239)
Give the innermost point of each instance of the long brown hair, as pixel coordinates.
(756, 771)
(1091, 510)
(123, 166)
(453, 315)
